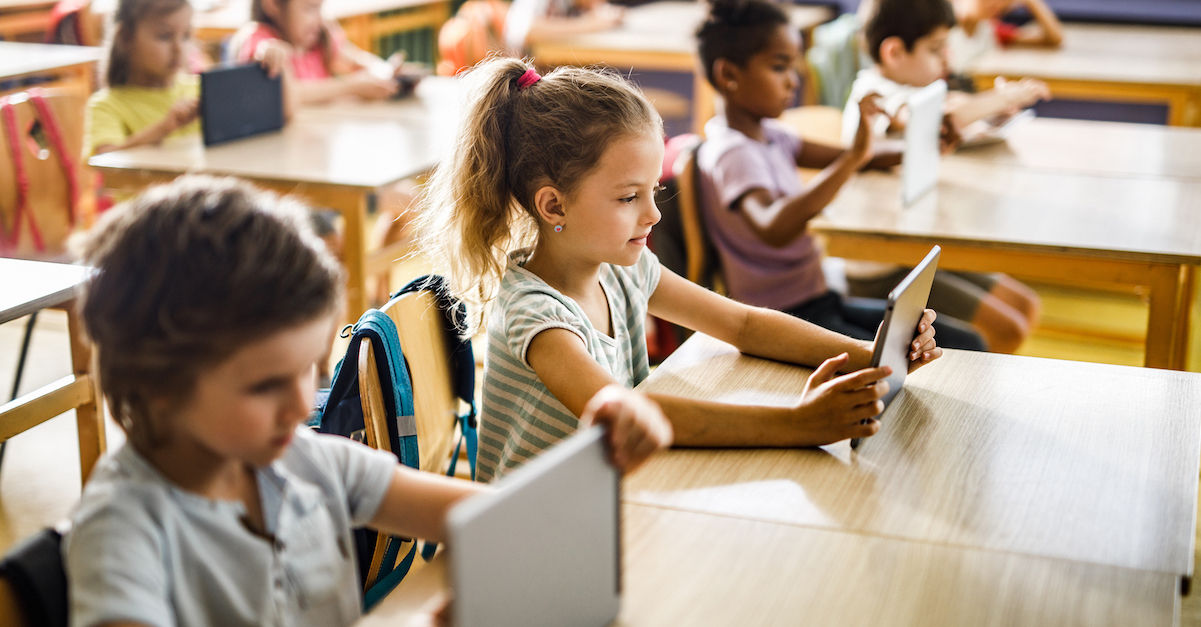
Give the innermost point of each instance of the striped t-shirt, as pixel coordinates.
(520, 417)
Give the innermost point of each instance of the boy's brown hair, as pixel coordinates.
(186, 274)
(910, 20)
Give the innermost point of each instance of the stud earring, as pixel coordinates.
(558, 228)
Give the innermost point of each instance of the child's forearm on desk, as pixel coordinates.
(779, 336)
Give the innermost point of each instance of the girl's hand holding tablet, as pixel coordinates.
(637, 426)
(925, 350)
(837, 407)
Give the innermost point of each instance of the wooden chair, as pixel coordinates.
(45, 193)
(435, 406)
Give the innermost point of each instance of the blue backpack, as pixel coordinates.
(341, 413)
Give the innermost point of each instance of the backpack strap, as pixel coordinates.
(65, 160)
(380, 330)
(13, 132)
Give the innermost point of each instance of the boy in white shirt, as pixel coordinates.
(908, 41)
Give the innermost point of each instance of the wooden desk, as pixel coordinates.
(1056, 459)
(1052, 225)
(26, 287)
(67, 67)
(656, 36)
(1099, 148)
(332, 156)
(689, 568)
(24, 17)
(1124, 63)
(1001, 490)
(360, 19)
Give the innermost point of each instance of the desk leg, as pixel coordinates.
(1165, 318)
(1186, 289)
(354, 251)
(89, 417)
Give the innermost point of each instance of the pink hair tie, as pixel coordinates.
(529, 78)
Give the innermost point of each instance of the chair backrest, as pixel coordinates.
(420, 324)
(42, 182)
(33, 584)
(73, 23)
(680, 240)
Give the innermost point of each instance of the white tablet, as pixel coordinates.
(919, 163)
(544, 548)
(894, 339)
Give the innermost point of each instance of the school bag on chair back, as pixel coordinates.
(342, 414)
(41, 189)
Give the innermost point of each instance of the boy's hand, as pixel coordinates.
(869, 108)
(273, 55)
(368, 87)
(949, 138)
(636, 425)
(1021, 94)
(606, 16)
(924, 350)
(840, 407)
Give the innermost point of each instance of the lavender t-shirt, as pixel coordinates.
(732, 164)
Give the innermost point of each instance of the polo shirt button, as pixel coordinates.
(279, 584)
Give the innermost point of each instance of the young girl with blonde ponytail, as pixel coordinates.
(543, 214)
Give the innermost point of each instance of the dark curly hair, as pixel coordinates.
(188, 273)
(737, 30)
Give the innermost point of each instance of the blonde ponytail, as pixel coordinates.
(478, 206)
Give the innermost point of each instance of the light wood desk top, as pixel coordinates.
(1100, 148)
(22, 5)
(687, 568)
(658, 35)
(20, 59)
(1145, 219)
(27, 286)
(1107, 52)
(1122, 63)
(361, 145)
(1048, 458)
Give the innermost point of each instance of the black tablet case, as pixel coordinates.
(239, 101)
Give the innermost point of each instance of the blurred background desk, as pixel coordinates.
(331, 156)
(656, 36)
(1112, 62)
(70, 68)
(1055, 225)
